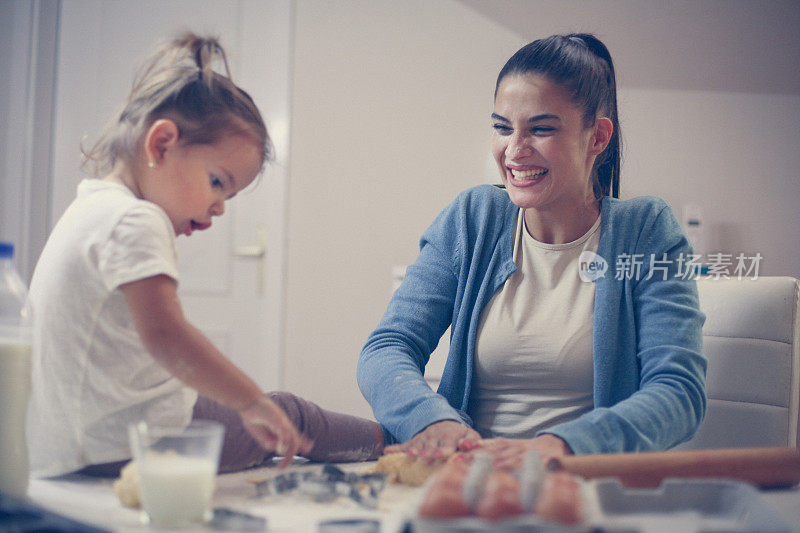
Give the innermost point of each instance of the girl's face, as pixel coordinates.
(542, 149)
(192, 183)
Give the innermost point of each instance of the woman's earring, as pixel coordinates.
(151, 164)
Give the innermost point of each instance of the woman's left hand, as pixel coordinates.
(510, 453)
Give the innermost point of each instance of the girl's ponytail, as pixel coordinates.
(178, 82)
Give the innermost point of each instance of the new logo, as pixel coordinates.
(591, 266)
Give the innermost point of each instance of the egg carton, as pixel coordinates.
(685, 505)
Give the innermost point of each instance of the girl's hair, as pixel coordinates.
(178, 83)
(581, 64)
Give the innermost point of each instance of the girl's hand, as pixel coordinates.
(440, 439)
(271, 428)
(510, 453)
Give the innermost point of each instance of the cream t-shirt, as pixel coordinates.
(91, 375)
(533, 358)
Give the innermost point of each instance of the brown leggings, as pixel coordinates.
(338, 438)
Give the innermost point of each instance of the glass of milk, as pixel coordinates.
(177, 467)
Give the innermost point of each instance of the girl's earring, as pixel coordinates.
(151, 164)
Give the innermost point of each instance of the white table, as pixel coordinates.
(92, 501)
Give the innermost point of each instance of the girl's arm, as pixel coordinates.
(189, 356)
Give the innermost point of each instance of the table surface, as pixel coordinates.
(92, 501)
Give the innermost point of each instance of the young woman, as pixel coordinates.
(570, 361)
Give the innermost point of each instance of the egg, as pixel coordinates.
(500, 497)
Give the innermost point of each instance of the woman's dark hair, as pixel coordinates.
(581, 64)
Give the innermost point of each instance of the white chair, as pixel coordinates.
(752, 340)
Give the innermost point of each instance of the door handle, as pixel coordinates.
(257, 252)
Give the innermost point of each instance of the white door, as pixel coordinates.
(231, 275)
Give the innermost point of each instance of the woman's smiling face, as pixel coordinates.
(542, 148)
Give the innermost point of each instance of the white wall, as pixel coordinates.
(746, 46)
(735, 154)
(390, 121)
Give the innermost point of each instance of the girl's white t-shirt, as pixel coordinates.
(533, 357)
(91, 375)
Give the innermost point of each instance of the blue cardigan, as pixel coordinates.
(649, 372)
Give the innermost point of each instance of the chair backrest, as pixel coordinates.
(752, 340)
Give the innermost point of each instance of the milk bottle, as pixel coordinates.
(15, 376)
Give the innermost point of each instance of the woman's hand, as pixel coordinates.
(271, 428)
(440, 439)
(510, 453)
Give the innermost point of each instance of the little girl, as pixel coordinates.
(111, 343)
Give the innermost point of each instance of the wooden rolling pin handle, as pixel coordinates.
(764, 467)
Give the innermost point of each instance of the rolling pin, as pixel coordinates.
(764, 467)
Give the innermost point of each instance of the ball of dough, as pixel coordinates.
(408, 470)
(127, 486)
